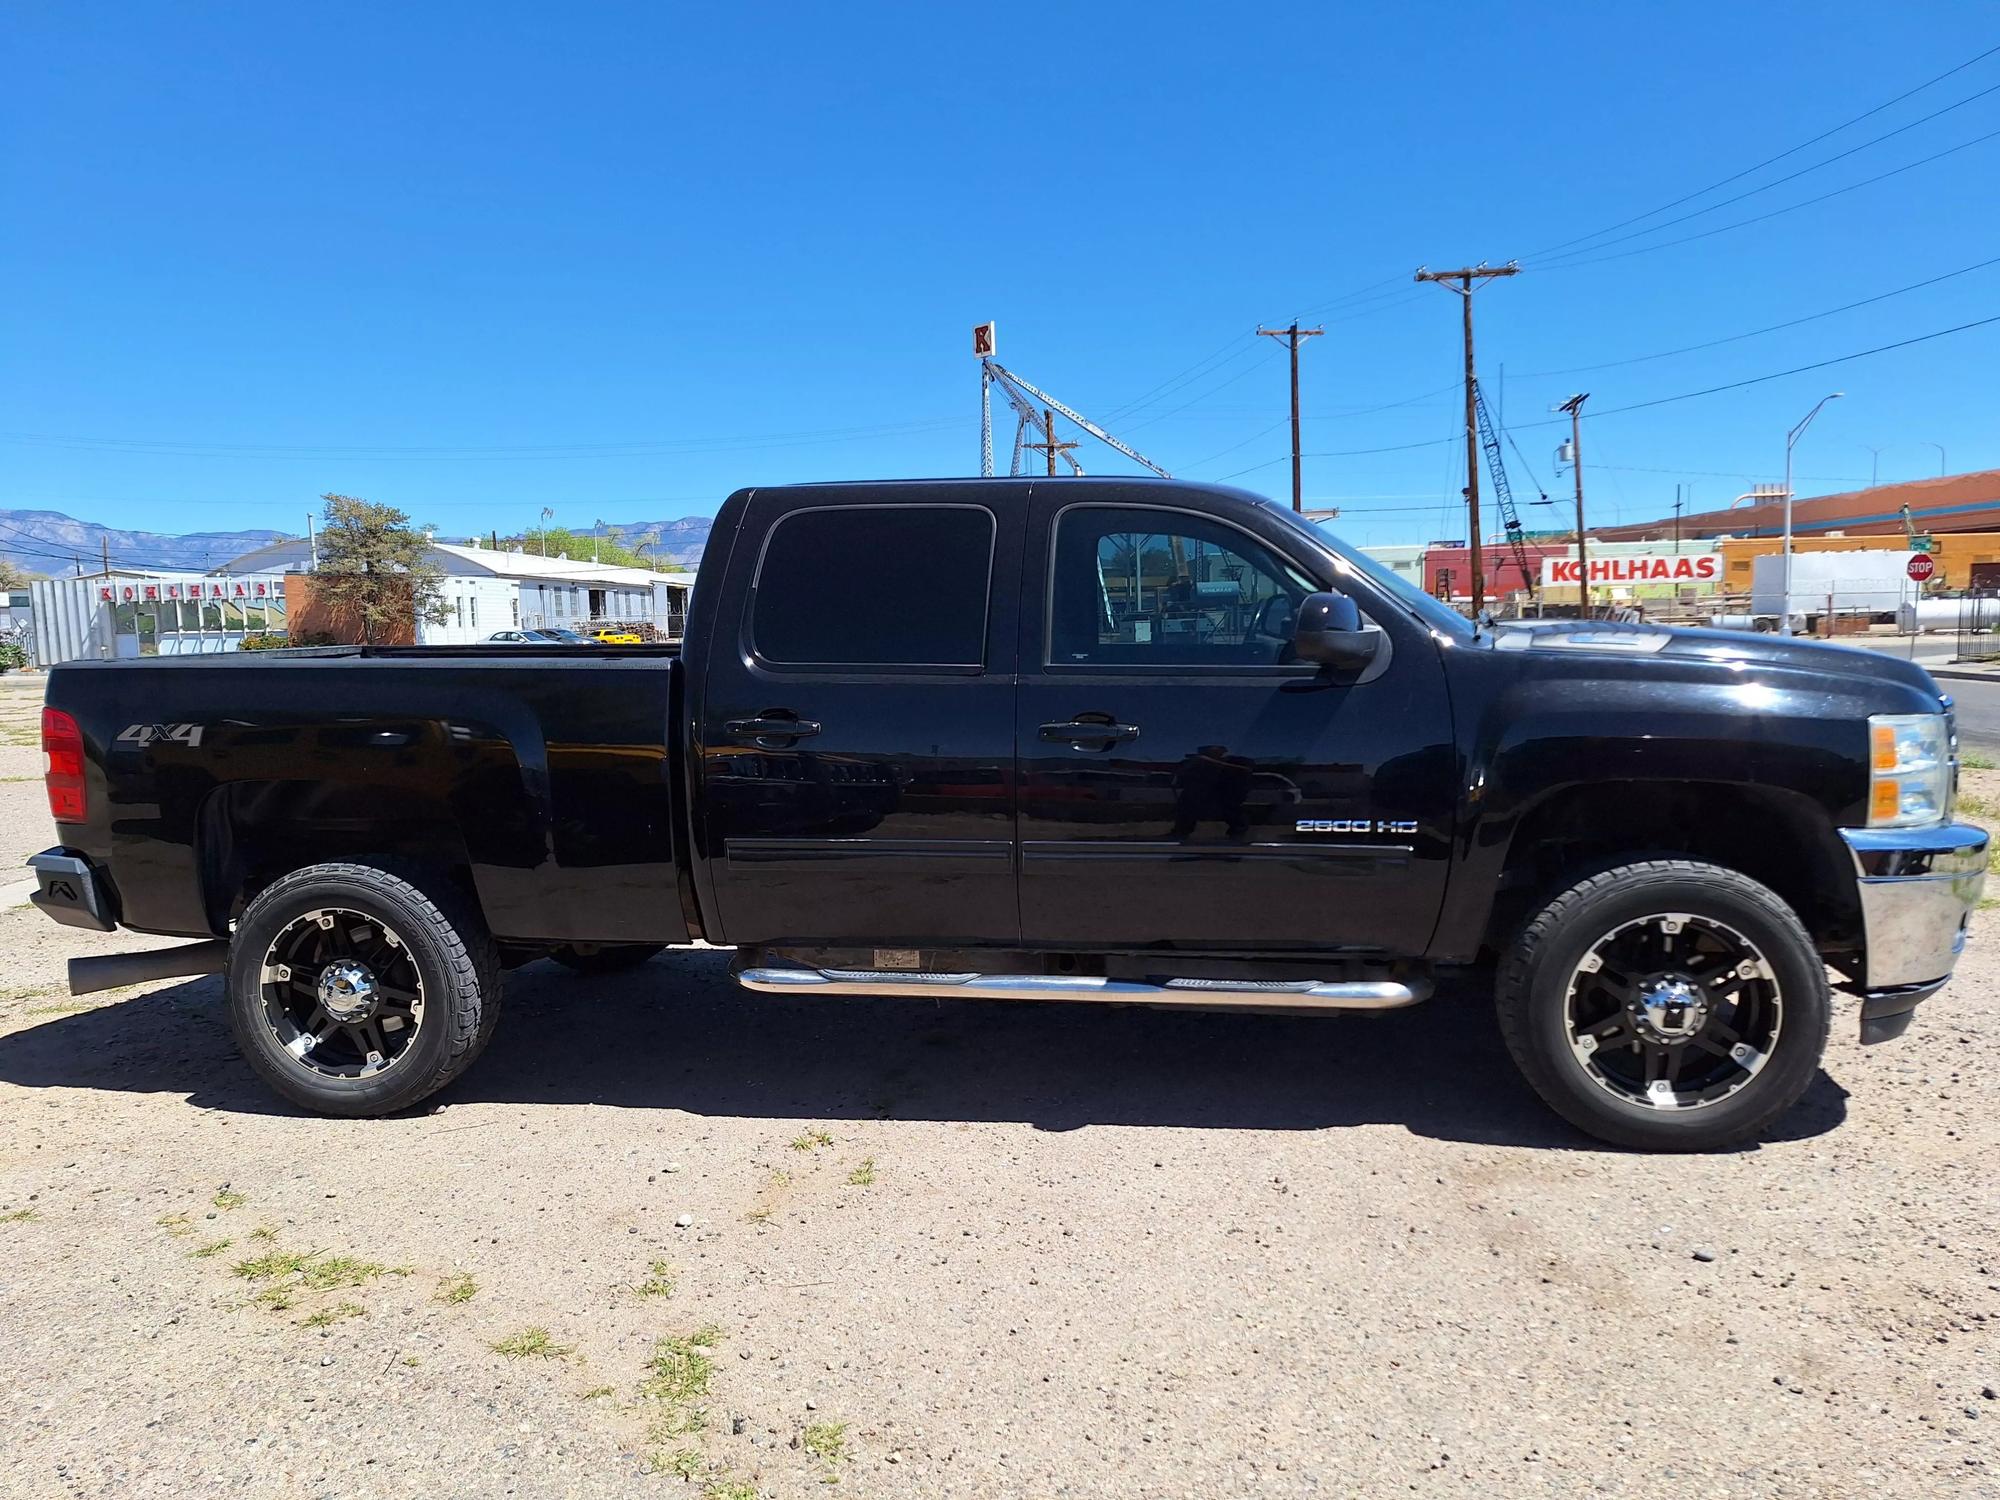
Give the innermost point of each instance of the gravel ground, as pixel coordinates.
(962, 1250)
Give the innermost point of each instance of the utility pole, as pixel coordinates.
(1574, 406)
(105, 541)
(1464, 281)
(312, 542)
(1292, 335)
(1677, 520)
(1049, 444)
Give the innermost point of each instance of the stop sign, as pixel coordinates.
(1921, 567)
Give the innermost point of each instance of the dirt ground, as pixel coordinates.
(917, 1250)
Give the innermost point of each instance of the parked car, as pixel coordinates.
(512, 638)
(553, 635)
(617, 635)
(1127, 741)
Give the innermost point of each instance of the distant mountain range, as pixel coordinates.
(680, 541)
(47, 541)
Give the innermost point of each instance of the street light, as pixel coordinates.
(1940, 449)
(1875, 461)
(1791, 441)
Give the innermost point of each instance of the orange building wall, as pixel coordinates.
(308, 617)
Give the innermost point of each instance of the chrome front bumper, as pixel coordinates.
(1919, 888)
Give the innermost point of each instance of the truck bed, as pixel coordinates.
(545, 777)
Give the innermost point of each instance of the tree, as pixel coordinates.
(609, 547)
(375, 567)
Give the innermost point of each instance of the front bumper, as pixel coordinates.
(1919, 888)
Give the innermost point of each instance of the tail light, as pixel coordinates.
(62, 746)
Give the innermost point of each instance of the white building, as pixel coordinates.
(487, 590)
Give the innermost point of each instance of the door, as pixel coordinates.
(1186, 783)
(857, 723)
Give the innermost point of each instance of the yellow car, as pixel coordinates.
(613, 635)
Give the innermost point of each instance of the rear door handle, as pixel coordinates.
(771, 727)
(1089, 732)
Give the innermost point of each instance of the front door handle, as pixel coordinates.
(1089, 732)
(771, 727)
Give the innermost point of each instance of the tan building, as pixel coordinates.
(1965, 559)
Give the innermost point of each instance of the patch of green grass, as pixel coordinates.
(532, 1343)
(175, 1224)
(20, 1216)
(213, 1247)
(825, 1441)
(411, 1360)
(863, 1175)
(598, 1393)
(224, 1199)
(659, 1280)
(729, 1488)
(812, 1140)
(677, 1380)
(684, 1462)
(457, 1289)
(326, 1317)
(1973, 760)
(263, 1232)
(285, 1274)
(314, 1270)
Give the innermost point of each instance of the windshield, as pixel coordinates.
(1431, 612)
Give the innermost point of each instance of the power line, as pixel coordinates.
(1788, 177)
(1640, 359)
(1598, 260)
(1771, 160)
(1612, 411)
(1737, 385)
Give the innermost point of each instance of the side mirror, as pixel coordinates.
(1329, 631)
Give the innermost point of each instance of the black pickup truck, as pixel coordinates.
(1064, 740)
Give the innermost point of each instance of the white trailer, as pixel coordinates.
(1873, 585)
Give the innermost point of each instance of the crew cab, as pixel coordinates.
(1106, 740)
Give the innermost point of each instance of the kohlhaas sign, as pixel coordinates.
(1640, 567)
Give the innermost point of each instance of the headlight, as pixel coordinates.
(1909, 769)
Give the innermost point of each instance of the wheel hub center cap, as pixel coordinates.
(347, 990)
(1672, 1009)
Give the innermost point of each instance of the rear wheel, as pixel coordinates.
(1668, 1005)
(354, 990)
(614, 958)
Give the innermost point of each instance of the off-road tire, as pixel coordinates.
(443, 935)
(1531, 993)
(613, 958)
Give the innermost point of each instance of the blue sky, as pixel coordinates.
(621, 259)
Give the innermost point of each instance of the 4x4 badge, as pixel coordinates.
(150, 734)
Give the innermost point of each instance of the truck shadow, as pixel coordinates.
(678, 1034)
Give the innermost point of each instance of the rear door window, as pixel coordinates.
(863, 586)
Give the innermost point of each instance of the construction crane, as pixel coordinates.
(1509, 516)
(1024, 397)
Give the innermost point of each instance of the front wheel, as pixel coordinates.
(355, 991)
(1668, 1005)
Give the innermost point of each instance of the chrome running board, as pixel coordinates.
(1303, 994)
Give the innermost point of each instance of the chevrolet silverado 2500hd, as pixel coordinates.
(1074, 740)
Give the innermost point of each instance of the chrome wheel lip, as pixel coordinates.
(379, 1013)
(1750, 1056)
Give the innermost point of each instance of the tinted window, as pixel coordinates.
(868, 586)
(1163, 588)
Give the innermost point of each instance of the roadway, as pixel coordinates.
(1978, 707)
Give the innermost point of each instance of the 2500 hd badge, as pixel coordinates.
(1357, 825)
